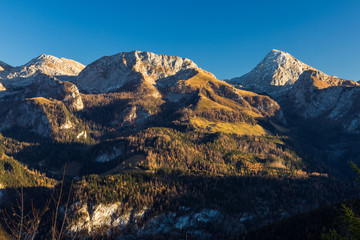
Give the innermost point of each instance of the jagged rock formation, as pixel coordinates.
(111, 73)
(278, 71)
(332, 100)
(70, 95)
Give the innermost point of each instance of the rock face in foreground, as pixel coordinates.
(278, 71)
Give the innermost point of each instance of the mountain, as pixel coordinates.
(30, 91)
(157, 147)
(313, 97)
(111, 73)
(304, 92)
(137, 89)
(152, 86)
(278, 72)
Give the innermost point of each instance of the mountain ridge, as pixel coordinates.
(153, 142)
(24, 75)
(123, 67)
(277, 73)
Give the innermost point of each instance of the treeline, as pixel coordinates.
(266, 199)
(306, 226)
(14, 174)
(215, 153)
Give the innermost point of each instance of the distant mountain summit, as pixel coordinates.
(55, 66)
(277, 73)
(43, 64)
(110, 73)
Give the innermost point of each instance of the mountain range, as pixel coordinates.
(156, 146)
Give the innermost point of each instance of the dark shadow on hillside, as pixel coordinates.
(308, 226)
(322, 144)
(36, 199)
(265, 199)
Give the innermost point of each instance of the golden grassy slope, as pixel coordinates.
(239, 128)
(219, 98)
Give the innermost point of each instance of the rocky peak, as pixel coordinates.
(110, 73)
(275, 73)
(55, 66)
(43, 65)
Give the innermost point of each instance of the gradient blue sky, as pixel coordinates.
(227, 38)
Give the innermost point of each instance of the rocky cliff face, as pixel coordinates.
(92, 221)
(46, 118)
(278, 71)
(111, 73)
(35, 87)
(330, 99)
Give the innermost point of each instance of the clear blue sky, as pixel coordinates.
(227, 38)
